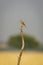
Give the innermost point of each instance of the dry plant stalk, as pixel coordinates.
(21, 51)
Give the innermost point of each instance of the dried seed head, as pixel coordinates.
(22, 23)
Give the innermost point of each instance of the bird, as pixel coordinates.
(22, 22)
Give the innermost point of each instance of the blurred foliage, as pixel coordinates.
(15, 41)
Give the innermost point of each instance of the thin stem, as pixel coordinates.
(21, 51)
